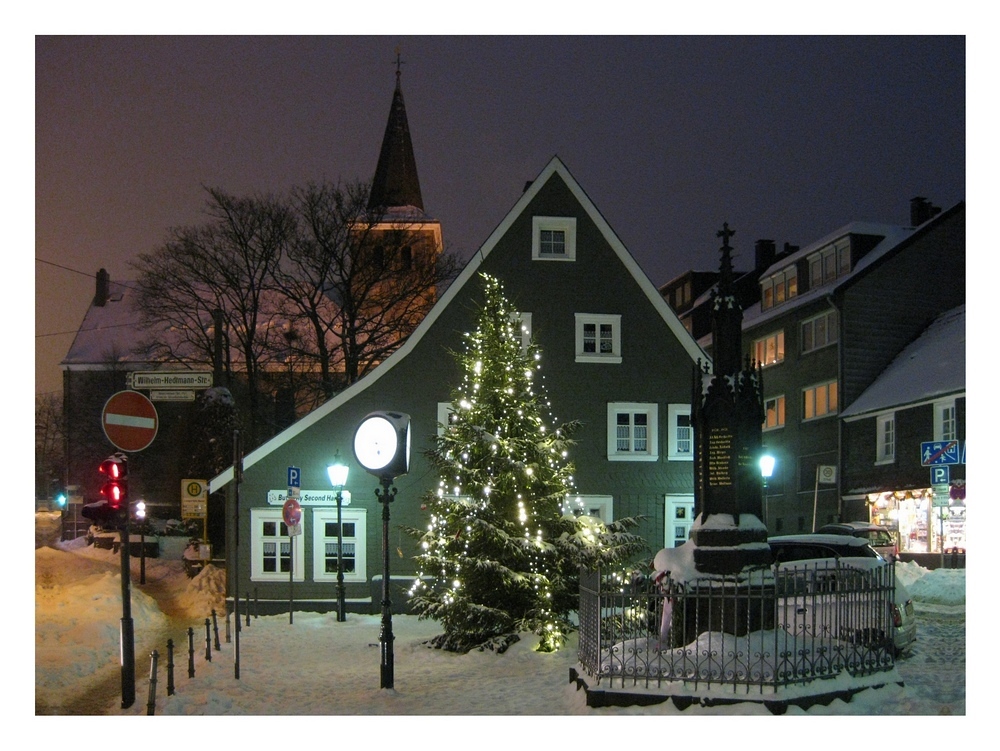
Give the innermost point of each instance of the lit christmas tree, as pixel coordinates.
(502, 551)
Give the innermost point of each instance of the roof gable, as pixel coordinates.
(555, 167)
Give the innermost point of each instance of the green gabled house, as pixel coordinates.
(614, 357)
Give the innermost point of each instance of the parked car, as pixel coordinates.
(878, 537)
(810, 568)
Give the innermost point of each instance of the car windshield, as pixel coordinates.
(878, 538)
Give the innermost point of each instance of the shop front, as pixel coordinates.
(924, 520)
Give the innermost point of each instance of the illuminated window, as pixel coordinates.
(770, 350)
(885, 438)
(633, 432)
(271, 548)
(774, 412)
(325, 544)
(598, 506)
(778, 287)
(819, 401)
(598, 338)
(819, 331)
(553, 238)
(830, 263)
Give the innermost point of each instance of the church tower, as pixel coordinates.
(395, 204)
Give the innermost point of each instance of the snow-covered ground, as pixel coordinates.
(317, 666)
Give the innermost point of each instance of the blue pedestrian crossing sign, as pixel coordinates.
(933, 453)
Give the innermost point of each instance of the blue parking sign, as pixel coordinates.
(294, 477)
(940, 475)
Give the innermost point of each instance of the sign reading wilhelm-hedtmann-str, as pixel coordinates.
(170, 379)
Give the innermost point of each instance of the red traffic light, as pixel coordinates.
(115, 490)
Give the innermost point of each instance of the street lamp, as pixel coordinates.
(382, 447)
(338, 478)
(766, 470)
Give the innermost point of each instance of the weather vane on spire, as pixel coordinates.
(398, 62)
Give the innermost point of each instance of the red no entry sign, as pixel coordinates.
(130, 421)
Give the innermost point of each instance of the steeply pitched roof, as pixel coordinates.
(932, 366)
(395, 183)
(554, 167)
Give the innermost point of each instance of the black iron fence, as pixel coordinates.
(772, 628)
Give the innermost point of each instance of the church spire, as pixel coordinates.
(395, 183)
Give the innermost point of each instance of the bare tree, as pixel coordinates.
(355, 282)
(227, 265)
(50, 447)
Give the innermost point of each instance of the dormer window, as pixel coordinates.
(553, 238)
(830, 263)
(778, 287)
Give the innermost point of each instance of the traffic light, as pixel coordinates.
(140, 510)
(115, 488)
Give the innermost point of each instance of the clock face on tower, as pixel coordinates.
(375, 443)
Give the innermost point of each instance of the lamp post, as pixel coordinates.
(766, 470)
(338, 478)
(382, 447)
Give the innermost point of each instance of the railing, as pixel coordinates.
(776, 627)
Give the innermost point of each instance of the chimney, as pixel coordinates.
(103, 289)
(763, 254)
(921, 210)
(789, 249)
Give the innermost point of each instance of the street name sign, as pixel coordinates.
(167, 379)
(129, 420)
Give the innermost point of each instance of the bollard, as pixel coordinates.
(248, 608)
(228, 635)
(190, 652)
(208, 640)
(170, 667)
(255, 602)
(215, 628)
(151, 703)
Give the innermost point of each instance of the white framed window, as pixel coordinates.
(444, 410)
(819, 331)
(523, 322)
(819, 400)
(632, 432)
(774, 412)
(680, 433)
(272, 550)
(770, 350)
(600, 506)
(598, 338)
(945, 425)
(885, 438)
(678, 518)
(553, 238)
(325, 544)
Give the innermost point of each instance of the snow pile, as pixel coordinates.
(205, 592)
(945, 587)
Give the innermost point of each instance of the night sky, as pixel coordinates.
(786, 138)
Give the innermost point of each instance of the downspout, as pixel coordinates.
(840, 405)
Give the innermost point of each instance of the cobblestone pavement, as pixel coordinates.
(934, 671)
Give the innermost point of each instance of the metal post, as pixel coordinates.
(151, 702)
(291, 565)
(170, 667)
(341, 603)
(215, 628)
(248, 608)
(235, 558)
(142, 554)
(190, 651)
(127, 627)
(385, 633)
(208, 640)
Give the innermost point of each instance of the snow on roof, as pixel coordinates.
(109, 333)
(892, 236)
(932, 366)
